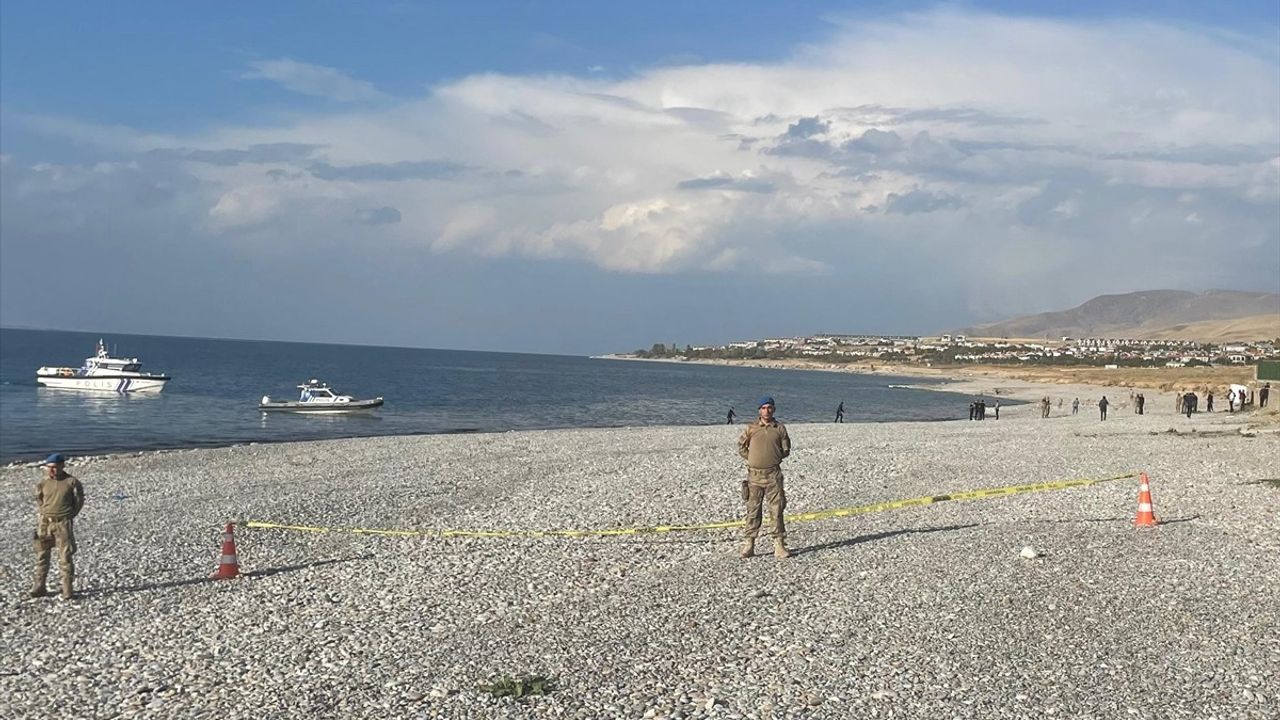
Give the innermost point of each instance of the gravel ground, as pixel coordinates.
(921, 613)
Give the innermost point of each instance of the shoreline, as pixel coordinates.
(101, 454)
(1021, 383)
(947, 380)
(956, 381)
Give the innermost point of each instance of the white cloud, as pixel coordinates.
(315, 80)
(1020, 147)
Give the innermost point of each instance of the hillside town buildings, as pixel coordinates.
(960, 349)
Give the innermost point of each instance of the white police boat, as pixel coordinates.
(318, 397)
(103, 373)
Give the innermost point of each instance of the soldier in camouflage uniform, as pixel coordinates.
(764, 444)
(59, 498)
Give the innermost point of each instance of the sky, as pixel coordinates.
(586, 177)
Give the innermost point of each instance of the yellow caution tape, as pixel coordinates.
(656, 529)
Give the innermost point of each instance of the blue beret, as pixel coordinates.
(766, 400)
(54, 459)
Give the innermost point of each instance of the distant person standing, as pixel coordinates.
(1208, 402)
(1140, 402)
(764, 444)
(982, 409)
(997, 409)
(840, 412)
(1189, 404)
(59, 499)
(1045, 405)
(1102, 406)
(1075, 406)
(1231, 400)
(728, 419)
(1263, 394)
(973, 411)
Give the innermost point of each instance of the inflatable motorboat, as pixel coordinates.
(318, 397)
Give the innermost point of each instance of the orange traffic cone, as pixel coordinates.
(229, 564)
(1146, 511)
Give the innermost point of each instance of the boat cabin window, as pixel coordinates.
(132, 367)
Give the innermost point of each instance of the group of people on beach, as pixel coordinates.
(1237, 399)
(1046, 405)
(1186, 403)
(978, 409)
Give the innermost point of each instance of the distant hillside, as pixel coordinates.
(1213, 316)
(1254, 327)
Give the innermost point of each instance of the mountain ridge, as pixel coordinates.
(1210, 316)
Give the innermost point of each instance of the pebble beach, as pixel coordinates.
(1048, 604)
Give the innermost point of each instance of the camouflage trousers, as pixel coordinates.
(51, 533)
(764, 485)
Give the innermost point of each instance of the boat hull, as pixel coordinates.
(105, 383)
(321, 408)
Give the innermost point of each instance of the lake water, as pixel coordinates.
(213, 396)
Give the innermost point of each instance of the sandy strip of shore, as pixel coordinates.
(1161, 386)
(927, 612)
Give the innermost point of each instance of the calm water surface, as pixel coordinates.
(212, 399)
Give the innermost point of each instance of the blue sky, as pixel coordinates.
(587, 177)
(184, 62)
